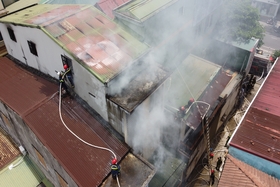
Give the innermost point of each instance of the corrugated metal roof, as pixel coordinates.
(107, 6)
(141, 10)
(84, 29)
(8, 152)
(237, 173)
(13, 80)
(259, 131)
(86, 165)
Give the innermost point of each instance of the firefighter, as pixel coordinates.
(68, 74)
(115, 168)
(212, 177)
(190, 102)
(62, 82)
(219, 163)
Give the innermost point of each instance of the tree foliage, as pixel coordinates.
(276, 54)
(240, 22)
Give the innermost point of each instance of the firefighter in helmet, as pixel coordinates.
(115, 168)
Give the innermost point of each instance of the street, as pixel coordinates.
(271, 39)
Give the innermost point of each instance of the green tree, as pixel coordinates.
(240, 22)
(276, 54)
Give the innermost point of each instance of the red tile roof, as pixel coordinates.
(107, 6)
(37, 104)
(238, 173)
(259, 131)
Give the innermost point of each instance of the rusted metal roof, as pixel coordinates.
(21, 90)
(8, 151)
(259, 131)
(86, 165)
(87, 34)
(237, 173)
(107, 6)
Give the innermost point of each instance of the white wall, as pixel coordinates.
(49, 60)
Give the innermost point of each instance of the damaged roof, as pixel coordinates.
(259, 131)
(95, 41)
(38, 104)
(237, 173)
(139, 88)
(140, 10)
(107, 6)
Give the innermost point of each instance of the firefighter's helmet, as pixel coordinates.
(65, 66)
(114, 161)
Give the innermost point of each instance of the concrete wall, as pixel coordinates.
(24, 136)
(87, 86)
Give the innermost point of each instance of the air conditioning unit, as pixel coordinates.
(22, 150)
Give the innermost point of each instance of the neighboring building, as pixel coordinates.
(30, 115)
(214, 89)
(236, 172)
(77, 35)
(156, 20)
(267, 8)
(256, 138)
(107, 6)
(15, 166)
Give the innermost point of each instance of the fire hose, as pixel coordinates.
(85, 142)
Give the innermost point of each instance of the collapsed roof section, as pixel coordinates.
(139, 88)
(95, 41)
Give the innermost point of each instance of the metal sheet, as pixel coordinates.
(259, 131)
(38, 106)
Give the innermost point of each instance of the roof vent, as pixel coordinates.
(22, 150)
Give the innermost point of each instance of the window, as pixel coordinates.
(40, 157)
(62, 182)
(12, 34)
(66, 60)
(32, 47)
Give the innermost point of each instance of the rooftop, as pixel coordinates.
(95, 41)
(259, 132)
(139, 88)
(184, 82)
(107, 6)
(238, 173)
(38, 104)
(140, 10)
